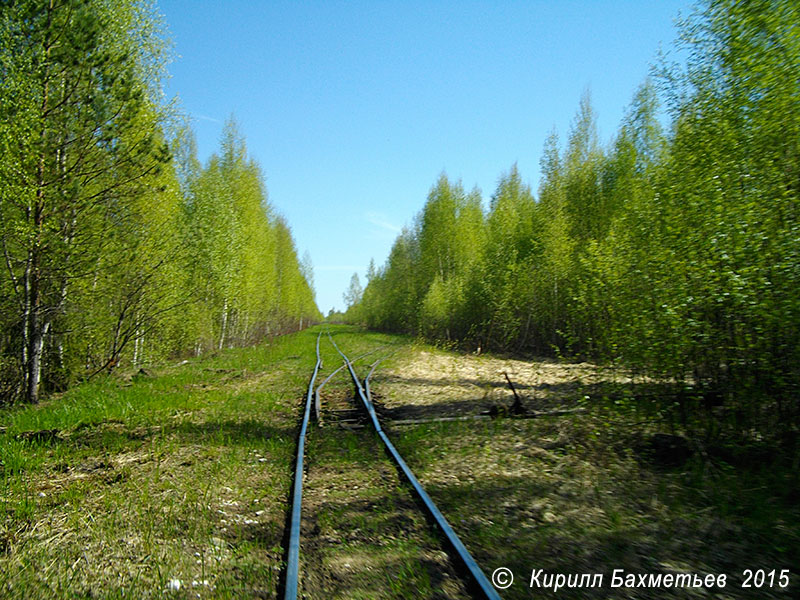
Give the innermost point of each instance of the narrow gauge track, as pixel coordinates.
(344, 414)
(293, 554)
(479, 579)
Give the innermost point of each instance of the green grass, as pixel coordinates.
(568, 494)
(588, 509)
(182, 474)
(137, 481)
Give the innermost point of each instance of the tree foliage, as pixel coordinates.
(676, 254)
(104, 236)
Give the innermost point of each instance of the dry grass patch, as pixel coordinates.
(425, 382)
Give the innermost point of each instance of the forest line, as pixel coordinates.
(675, 254)
(119, 247)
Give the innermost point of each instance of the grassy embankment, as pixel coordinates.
(131, 483)
(134, 483)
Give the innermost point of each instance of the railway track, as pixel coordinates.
(293, 554)
(349, 416)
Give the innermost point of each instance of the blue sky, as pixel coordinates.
(353, 109)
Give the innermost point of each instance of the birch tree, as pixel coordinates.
(78, 138)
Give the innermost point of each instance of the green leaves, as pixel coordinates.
(241, 260)
(110, 254)
(678, 255)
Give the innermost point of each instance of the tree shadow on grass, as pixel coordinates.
(558, 396)
(525, 525)
(232, 432)
(363, 551)
(648, 397)
(114, 435)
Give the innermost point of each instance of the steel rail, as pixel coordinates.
(293, 555)
(478, 576)
(317, 404)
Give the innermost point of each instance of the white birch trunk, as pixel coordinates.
(224, 323)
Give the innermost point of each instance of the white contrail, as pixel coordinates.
(380, 220)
